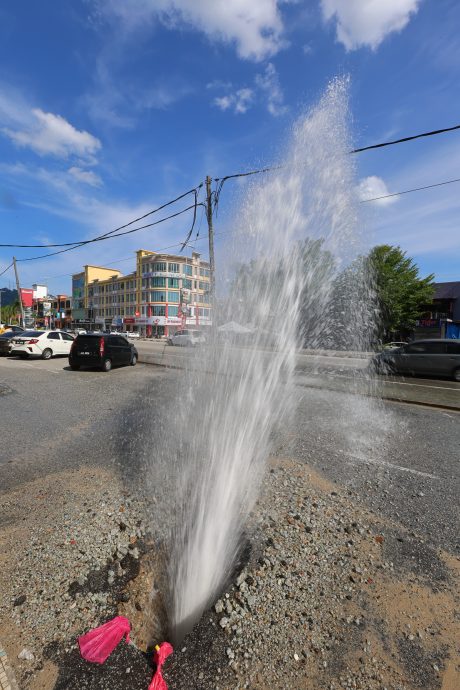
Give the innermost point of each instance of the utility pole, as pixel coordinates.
(211, 249)
(23, 319)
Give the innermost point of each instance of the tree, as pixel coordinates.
(400, 292)
(9, 312)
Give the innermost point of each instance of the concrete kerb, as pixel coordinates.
(161, 361)
(7, 677)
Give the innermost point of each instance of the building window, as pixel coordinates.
(186, 283)
(173, 297)
(158, 282)
(172, 310)
(173, 282)
(160, 266)
(188, 270)
(204, 286)
(158, 296)
(158, 310)
(174, 268)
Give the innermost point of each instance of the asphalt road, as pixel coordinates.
(337, 371)
(401, 460)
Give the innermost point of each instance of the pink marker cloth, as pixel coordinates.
(161, 654)
(97, 645)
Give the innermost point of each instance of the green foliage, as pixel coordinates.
(9, 313)
(400, 292)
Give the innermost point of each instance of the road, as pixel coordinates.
(402, 460)
(336, 372)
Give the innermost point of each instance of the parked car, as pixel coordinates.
(133, 334)
(16, 329)
(44, 344)
(101, 351)
(393, 345)
(187, 338)
(428, 357)
(5, 342)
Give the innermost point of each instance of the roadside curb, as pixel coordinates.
(7, 677)
(158, 361)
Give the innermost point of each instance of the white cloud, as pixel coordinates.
(266, 89)
(85, 176)
(372, 187)
(368, 22)
(239, 101)
(49, 134)
(269, 83)
(254, 26)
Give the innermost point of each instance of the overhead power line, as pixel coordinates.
(360, 150)
(81, 243)
(7, 269)
(213, 200)
(402, 141)
(409, 191)
(120, 234)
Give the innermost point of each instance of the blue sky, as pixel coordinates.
(109, 108)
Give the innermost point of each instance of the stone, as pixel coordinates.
(26, 655)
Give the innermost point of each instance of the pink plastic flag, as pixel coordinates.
(96, 645)
(162, 652)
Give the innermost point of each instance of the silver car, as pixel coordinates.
(187, 338)
(439, 357)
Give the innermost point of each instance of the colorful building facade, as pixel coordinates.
(163, 294)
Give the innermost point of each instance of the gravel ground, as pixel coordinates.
(330, 597)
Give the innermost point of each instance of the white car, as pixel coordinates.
(133, 334)
(44, 344)
(186, 338)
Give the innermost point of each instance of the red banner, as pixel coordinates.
(27, 295)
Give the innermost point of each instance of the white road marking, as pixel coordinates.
(400, 383)
(384, 463)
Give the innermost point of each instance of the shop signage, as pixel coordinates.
(427, 323)
(129, 319)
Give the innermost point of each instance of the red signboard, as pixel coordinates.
(129, 320)
(27, 296)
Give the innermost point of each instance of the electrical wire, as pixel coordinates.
(81, 243)
(408, 191)
(6, 269)
(154, 251)
(359, 150)
(120, 234)
(402, 141)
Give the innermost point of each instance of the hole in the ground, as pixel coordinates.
(144, 600)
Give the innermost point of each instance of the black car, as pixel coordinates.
(5, 341)
(440, 357)
(101, 351)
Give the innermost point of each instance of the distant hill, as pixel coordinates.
(8, 296)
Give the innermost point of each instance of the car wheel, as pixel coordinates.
(170, 342)
(75, 367)
(133, 360)
(47, 353)
(106, 365)
(23, 355)
(457, 375)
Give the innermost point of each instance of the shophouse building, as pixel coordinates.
(441, 318)
(52, 311)
(162, 294)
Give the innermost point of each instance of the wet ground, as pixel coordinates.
(397, 461)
